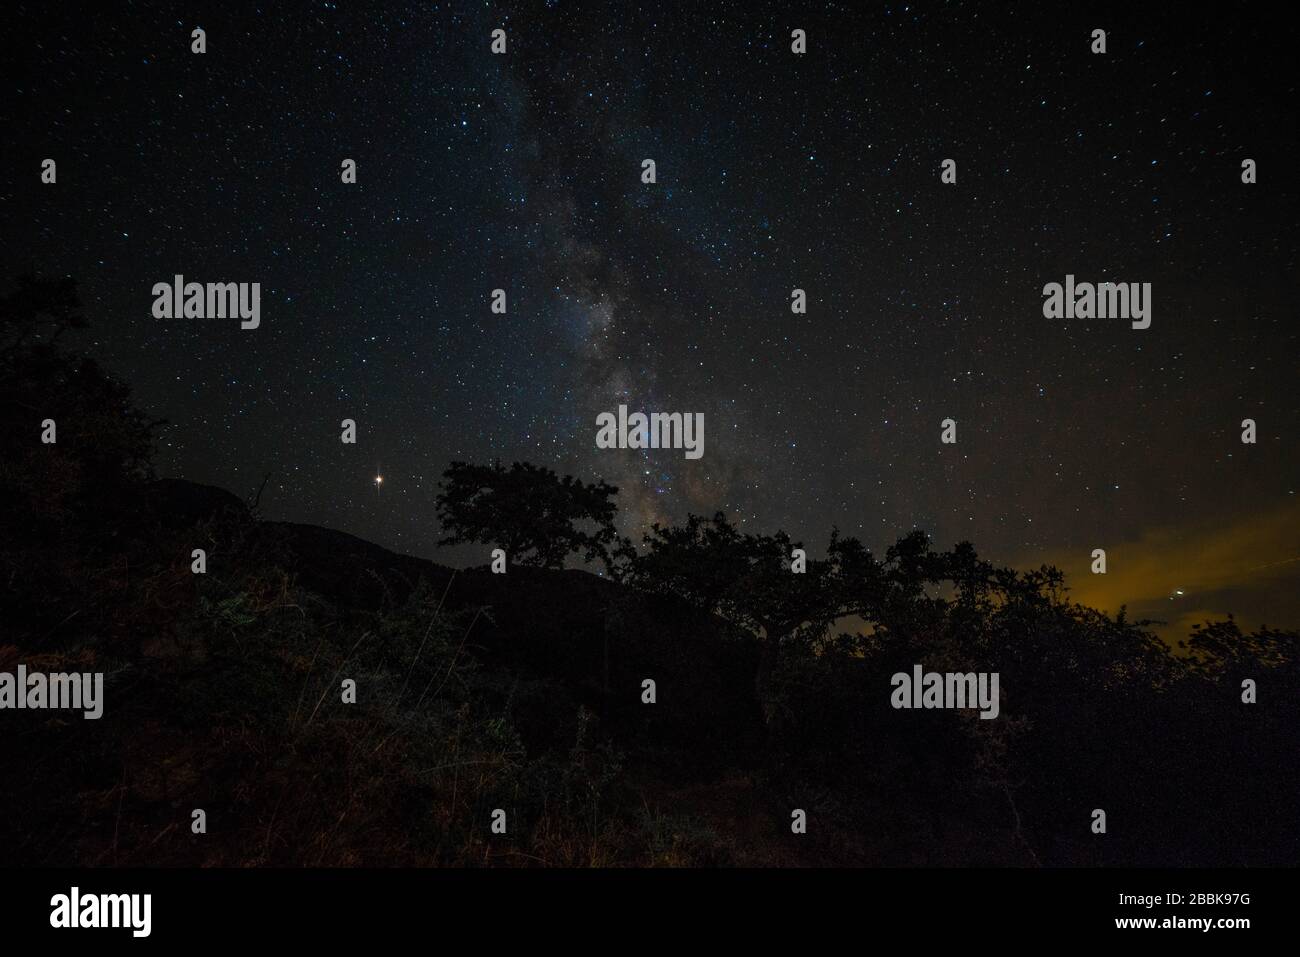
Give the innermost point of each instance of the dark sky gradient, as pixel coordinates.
(774, 171)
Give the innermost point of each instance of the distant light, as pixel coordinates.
(379, 480)
(1178, 591)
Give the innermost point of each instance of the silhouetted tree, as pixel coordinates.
(747, 580)
(65, 503)
(1219, 646)
(536, 516)
(102, 439)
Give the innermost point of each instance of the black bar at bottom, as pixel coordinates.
(438, 908)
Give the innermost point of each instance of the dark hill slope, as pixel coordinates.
(553, 640)
(564, 638)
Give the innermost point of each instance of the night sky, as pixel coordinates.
(775, 171)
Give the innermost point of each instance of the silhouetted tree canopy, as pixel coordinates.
(532, 513)
(102, 442)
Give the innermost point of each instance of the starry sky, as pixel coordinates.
(775, 171)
